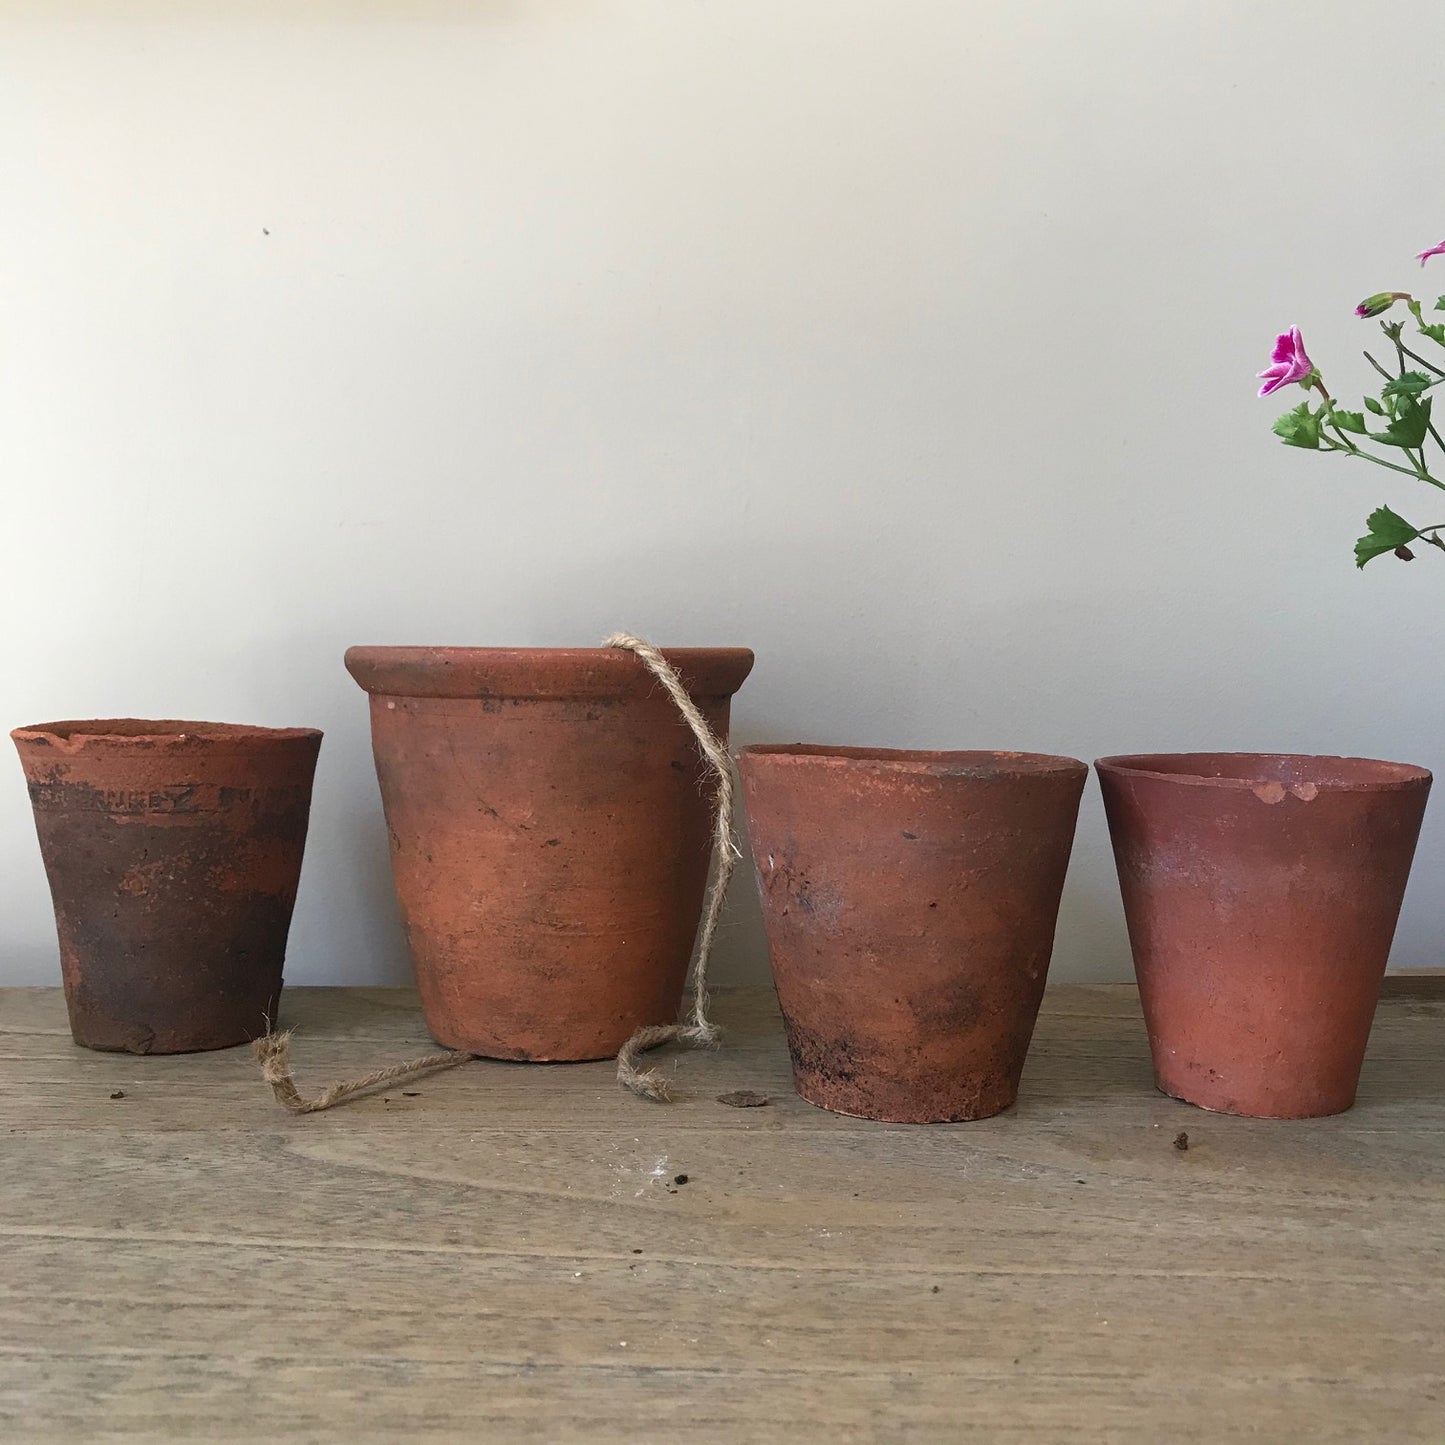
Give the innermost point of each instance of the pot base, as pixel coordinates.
(854, 1103)
(141, 1040)
(503, 1055)
(1238, 1109)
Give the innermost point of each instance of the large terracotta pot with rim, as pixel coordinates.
(910, 900)
(549, 817)
(173, 851)
(1261, 892)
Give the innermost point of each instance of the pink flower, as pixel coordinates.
(1290, 363)
(1433, 251)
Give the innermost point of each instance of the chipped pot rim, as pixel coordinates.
(70, 735)
(962, 763)
(1317, 772)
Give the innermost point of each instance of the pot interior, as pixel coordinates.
(1247, 770)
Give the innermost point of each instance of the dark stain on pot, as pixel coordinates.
(957, 1004)
(831, 1060)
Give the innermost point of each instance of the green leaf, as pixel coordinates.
(1409, 428)
(1388, 530)
(1412, 383)
(1372, 405)
(1299, 428)
(1436, 333)
(1350, 420)
(1440, 304)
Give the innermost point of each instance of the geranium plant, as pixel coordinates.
(1393, 430)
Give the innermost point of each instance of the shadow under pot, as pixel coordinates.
(1261, 893)
(909, 900)
(173, 851)
(550, 822)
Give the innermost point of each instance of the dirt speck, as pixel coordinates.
(411, 1093)
(680, 1179)
(117, 1093)
(1181, 1141)
(935, 1289)
(743, 1099)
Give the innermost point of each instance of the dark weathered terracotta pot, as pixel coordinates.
(173, 851)
(1261, 893)
(549, 816)
(909, 900)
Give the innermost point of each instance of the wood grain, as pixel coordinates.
(500, 1251)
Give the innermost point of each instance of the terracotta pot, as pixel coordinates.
(173, 851)
(909, 900)
(1261, 894)
(549, 816)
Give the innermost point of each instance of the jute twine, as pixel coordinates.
(697, 1030)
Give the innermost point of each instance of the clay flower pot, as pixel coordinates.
(909, 900)
(549, 817)
(1261, 894)
(173, 851)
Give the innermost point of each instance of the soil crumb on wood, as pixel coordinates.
(1181, 1141)
(117, 1094)
(743, 1099)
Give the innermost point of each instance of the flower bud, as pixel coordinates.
(1380, 303)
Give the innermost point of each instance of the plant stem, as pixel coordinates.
(1353, 451)
(1405, 351)
(1378, 367)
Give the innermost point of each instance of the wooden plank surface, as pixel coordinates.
(501, 1253)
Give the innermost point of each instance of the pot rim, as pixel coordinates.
(72, 734)
(541, 672)
(1373, 775)
(940, 763)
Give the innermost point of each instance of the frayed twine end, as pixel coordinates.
(652, 1083)
(273, 1051)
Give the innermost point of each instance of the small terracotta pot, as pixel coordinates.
(173, 851)
(1261, 893)
(909, 900)
(550, 825)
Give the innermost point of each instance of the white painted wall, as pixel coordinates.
(910, 343)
